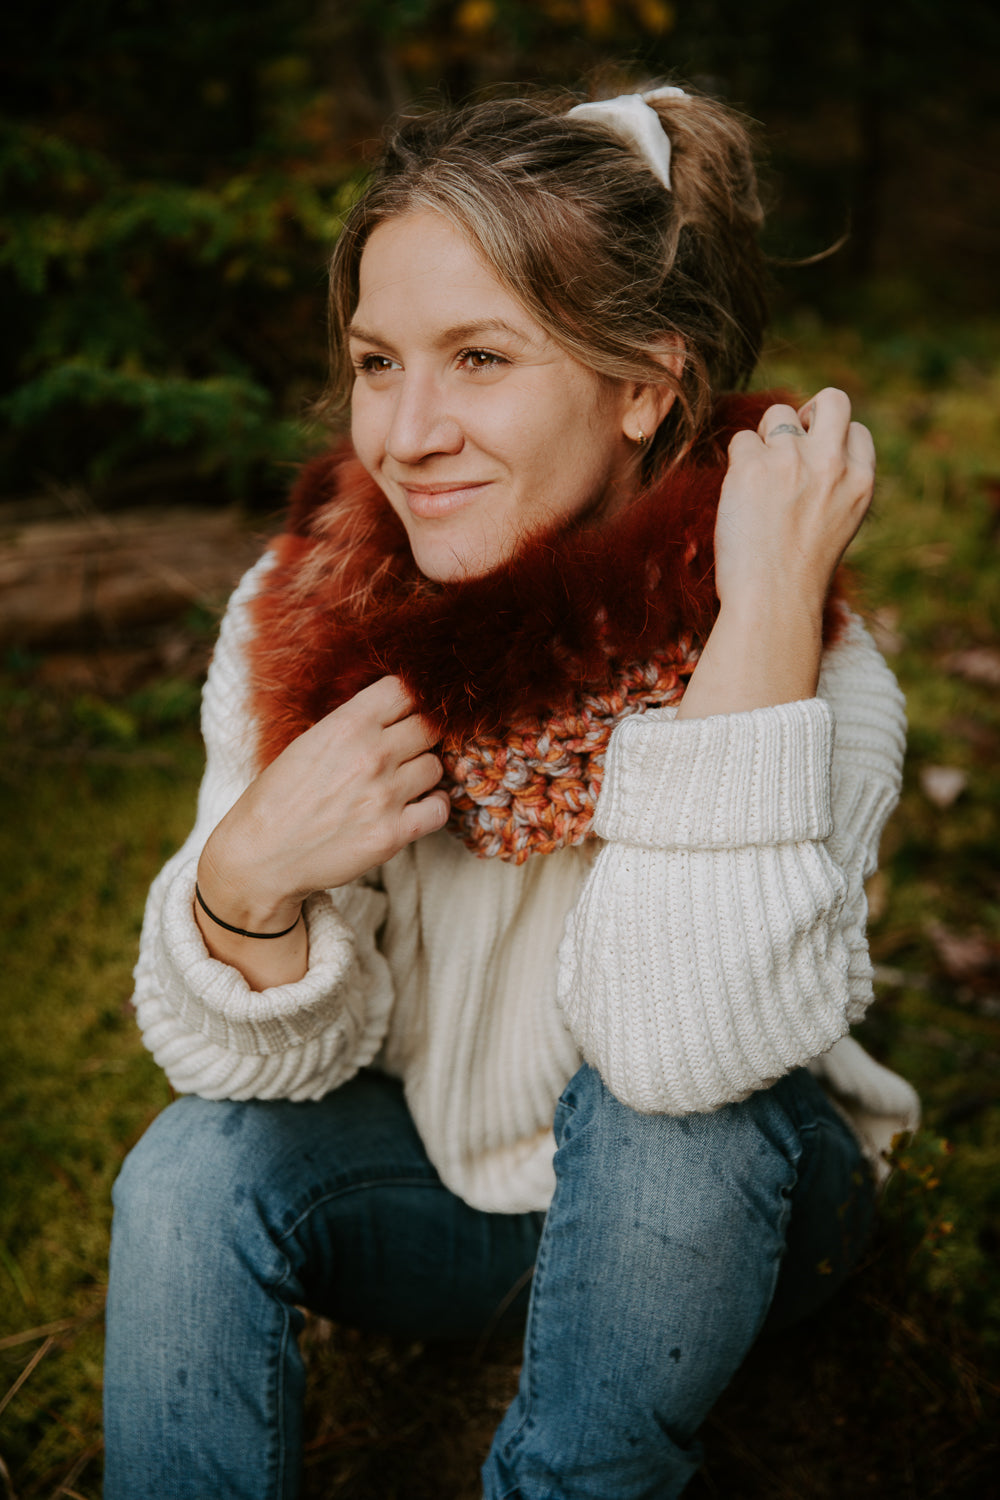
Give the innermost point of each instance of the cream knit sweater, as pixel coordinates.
(711, 939)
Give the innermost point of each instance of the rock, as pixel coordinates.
(97, 579)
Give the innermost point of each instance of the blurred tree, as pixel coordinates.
(169, 204)
(172, 179)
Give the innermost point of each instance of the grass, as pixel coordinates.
(892, 1392)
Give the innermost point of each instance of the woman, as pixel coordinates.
(417, 1080)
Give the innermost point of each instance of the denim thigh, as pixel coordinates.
(662, 1254)
(230, 1217)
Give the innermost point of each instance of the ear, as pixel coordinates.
(648, 402)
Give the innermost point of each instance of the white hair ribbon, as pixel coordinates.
(631, 118)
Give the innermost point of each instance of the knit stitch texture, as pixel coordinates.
(710, 938)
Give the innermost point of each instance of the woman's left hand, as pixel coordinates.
(794, 496)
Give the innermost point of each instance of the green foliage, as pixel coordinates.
(150, 313)
(162, 247)
(172, 181)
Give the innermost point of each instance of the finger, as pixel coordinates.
(387, 700)
(410, 737)
(415, 778)
(425, 816)
(807, 412)
(861, 445)
(780, 421)
(744, 443)
(829, 414)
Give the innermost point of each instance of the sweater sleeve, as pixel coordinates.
(211, 1033)
(719, 941)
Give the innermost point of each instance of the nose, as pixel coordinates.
(421, 423)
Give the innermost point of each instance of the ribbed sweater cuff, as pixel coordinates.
(723, 782)
(215, 1000)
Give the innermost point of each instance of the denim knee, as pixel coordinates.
(196, 1180)
(188, 1154)
(780, 1169)
(657, 1264)
(691, 1167)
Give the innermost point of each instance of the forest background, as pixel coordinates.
(172, 179)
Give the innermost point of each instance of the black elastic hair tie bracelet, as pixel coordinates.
(241, 931)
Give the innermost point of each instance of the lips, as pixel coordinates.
(430, 501)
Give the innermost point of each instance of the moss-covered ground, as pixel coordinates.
(892, 1391)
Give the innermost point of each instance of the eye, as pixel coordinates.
(374, 364)
(481, 359)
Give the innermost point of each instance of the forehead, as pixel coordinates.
(423, 268)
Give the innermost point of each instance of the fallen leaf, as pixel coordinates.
(976, 664)
(942, 785)
(965, 955)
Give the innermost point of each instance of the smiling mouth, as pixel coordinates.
(429, 501)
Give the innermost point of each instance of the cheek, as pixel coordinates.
(539, 434)
(584, 456)
(371, 416)
(361, 424)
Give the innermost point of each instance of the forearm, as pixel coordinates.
(759, 654)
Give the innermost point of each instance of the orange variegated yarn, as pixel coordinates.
(534, 788)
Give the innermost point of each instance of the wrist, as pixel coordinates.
(236, 901)
(779, 610)
(243, 932)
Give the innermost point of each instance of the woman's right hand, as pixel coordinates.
(345, 796)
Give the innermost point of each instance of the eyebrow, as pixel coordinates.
(460, 333)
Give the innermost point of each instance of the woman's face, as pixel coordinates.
(478, 428)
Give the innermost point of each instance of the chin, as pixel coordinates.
(445, 562)
(453, 569)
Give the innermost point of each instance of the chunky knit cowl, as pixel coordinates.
(524, 672)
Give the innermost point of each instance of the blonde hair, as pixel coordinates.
(575, 225)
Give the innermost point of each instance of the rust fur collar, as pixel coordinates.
(344, 603)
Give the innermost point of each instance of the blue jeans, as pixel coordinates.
(654, 1271)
